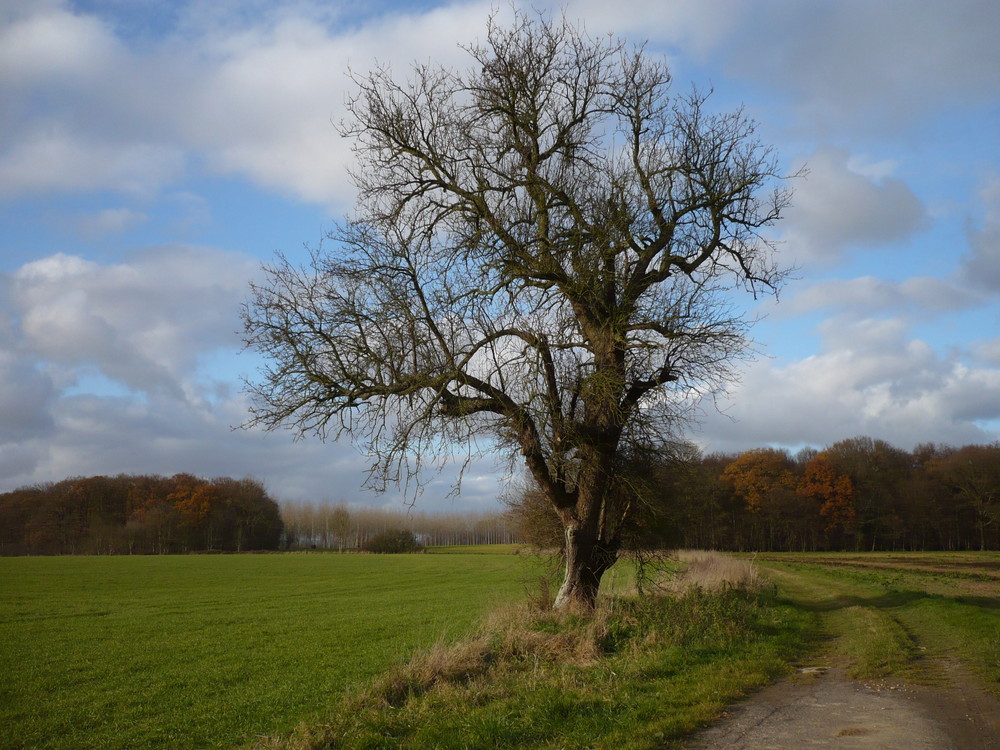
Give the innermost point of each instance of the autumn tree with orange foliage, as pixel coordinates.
(833, 493)
(128, 514)
(758, 475)
(764, 479)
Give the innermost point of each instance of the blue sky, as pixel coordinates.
(153, 153)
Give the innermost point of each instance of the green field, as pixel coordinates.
(212, 651)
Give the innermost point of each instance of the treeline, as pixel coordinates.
(858, 494)
(130, 514)
(325, 526)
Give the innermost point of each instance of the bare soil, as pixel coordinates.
(822, 708)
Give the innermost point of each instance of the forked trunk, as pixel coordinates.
(587, 560)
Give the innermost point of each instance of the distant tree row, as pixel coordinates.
(857, 494)
(311, 525)
(129, 514)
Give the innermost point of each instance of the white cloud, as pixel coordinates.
(25, 397)
(923, 295)
(836, 208)
(981, 266)
(843, 64)
(869, 66)
(869, 379)
(148, 323)
(256, 101)
(54, 44)
(27, 394)
(162, 323)
(143, 323)
(250, 88)
(988, 352)
(54, 159)
(19, 462)
(267, 108)
(700, 28)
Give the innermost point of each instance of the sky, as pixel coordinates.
(154, 153)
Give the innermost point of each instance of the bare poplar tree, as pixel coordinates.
(541, 260)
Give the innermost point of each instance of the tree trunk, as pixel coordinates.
(587, 560)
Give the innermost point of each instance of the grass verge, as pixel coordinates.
(637, 673)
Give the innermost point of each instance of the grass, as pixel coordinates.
(212, 651)
(900, 615)
(868, 639)
(644, 672)
(640, 672)
(311, 652)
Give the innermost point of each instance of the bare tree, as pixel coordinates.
(543, 258)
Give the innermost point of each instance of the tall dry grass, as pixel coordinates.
(712, 571)
(676, 572)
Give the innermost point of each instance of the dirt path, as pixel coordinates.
(822, 707)
(825, 709)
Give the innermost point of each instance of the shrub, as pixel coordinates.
(393, 542)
